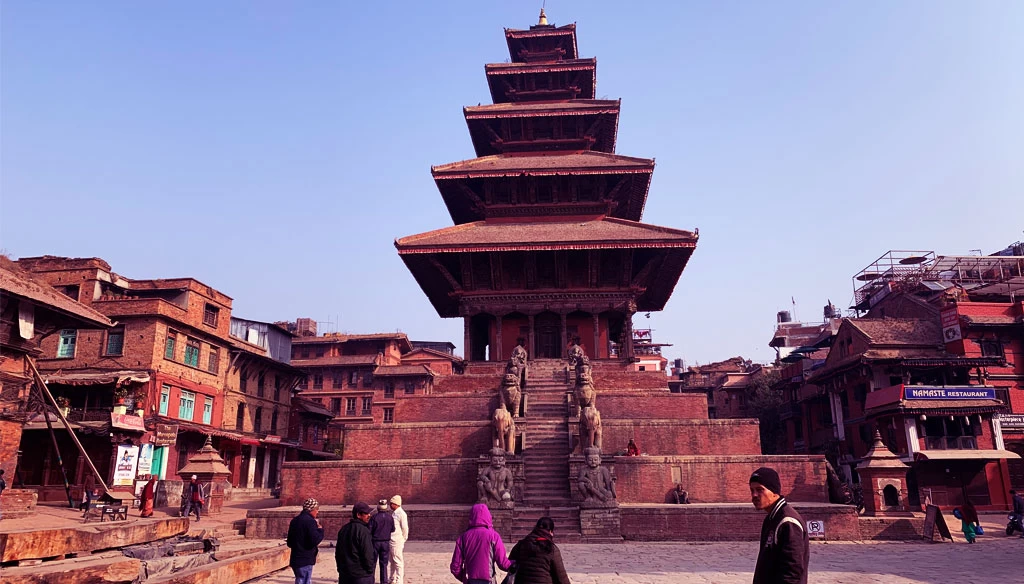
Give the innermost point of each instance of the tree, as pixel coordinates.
(767, 402)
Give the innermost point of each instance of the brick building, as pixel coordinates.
(30, 313)
(725, 383)
(258, 395)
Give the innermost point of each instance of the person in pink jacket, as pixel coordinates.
(478, 549)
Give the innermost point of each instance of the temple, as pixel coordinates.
(547, 243)
(561, 407)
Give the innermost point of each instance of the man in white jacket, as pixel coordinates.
(398, 537)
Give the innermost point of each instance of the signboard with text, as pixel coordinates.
(950, 319)
(940, 393)
(127, 422)
(1011, 421)
(145, 460)
(125, 464)
(166, 435)
(816, 529)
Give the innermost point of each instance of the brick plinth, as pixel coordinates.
(426, 522)
(16, 503)
(647, 405)
(417, 441)
(892, 528)
(739, 522)
(446, 408)
(716, 479)
(344, 482)
(600, 525)
(676, 437)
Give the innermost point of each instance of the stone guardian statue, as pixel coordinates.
(494, 485)
(595, 481)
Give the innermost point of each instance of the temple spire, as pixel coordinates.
(543, 18)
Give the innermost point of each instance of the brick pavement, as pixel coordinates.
(992, 559)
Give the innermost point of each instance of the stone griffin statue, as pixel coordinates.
(504, 429)
(519, 359)
(590, 427)
(494, 485)
(576, 354)
(586, 393)
(595, 481)
(510, 393)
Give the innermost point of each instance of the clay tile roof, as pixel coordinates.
(569, 107)
(16, 282)
(404, 370)
(498, 236)
(540, 67)
(576, 163)
(993, 320)
(899, 331)
(338, 360)
(430, 353)
(311, 407)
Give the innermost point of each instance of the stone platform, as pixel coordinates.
(29, 544)
(639, 522)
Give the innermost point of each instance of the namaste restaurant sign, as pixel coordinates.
(950, 393)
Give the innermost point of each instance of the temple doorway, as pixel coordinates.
(547, 327)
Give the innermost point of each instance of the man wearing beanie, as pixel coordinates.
(304, 536)
(784, 551)
(354, 552)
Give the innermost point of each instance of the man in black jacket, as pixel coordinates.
(382, 525)
(784, 552)
(354, 555)
(304, 535)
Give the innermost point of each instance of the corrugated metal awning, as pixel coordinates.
(965, 455)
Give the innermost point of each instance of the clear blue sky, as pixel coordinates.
(275, 150)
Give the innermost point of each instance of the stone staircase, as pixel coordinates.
(546, 452)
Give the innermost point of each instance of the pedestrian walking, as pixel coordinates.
(194, 498)
(537, 558)
(784, 552)
(398, 539)
(305, 533)
(478, 549)
(146, 498)
(965, 526)
(354, 555)
(382, 525)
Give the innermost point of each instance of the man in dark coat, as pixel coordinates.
(304, 536)
(382, 524)
(784, 552)
(354, 555)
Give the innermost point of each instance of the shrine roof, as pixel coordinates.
(516, 109)
(518, 39)
(606, 233)
(576, 163)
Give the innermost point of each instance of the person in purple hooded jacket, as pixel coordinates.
(478, 549)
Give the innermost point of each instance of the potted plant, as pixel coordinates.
(120, 399)
(64, 404)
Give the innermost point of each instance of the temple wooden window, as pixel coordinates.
(338, 382)
(481, 271)
(71, 292)
(261, 384)
(66, 346)
(273, 422)
(410, 387)
(389, 389)
(544, 191)
(368, 379)
(319, 352)
(213, 360)
(611, 268)
(389, 415)
(240, 417)
(353, 379)
(991, 348)
(192, 352)
(210, 313)
(115, 342)
(545, 269)
(207, 409)
(277, 388)
(243, 379)
(350, 406)
(367, 405)
(336, 405)
(257, 421)
(305, 353)
(318, 382)
(501, 193)
(587, 190)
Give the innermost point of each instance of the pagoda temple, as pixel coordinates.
(547, 243)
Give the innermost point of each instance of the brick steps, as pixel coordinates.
(566, 518)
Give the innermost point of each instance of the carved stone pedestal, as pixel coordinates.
(514, 464)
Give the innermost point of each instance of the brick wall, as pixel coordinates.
(683, 437)
(726, 522)
(18, 502)
(449, 480)
(467, 383)
(651, 405)
(422, 440)
(716, 479)
(611, 379)
(441, 408)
